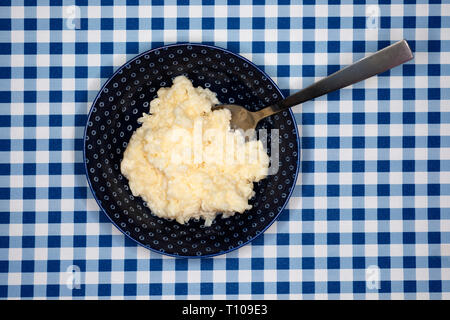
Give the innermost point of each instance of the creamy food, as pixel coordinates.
(184, 160)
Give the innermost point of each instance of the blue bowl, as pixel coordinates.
(113, 119)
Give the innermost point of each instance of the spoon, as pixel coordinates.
(385, 59)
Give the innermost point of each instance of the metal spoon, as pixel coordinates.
(385, 59)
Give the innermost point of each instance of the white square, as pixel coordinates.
(194, 276)
(94, 36)
(320, 250)
(69, 35)
(43, 36)
(219, 11)
(68, 60)
(41, 229)
(42, 156)
(89, 277)
(118, 252)
(120, 11)
(17, 60)
(320, 226)
(270, 35)
(16, 132)
(270, 11)
(14, 278)
(321, 275)
(120, 36)
(43, 132)
(195, 11)
(16, 156)
(15, 205)
(17, 36)
(41, 254)
(170, 11)
(41, 205)
(17, 12)
(67, 204)
(346, 275)
(219, 276)
(346, 202)
(67, 156)
(42, 181)
(66, 254)
(15, 254)
(15, 229)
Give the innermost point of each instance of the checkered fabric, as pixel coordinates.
(369, 217)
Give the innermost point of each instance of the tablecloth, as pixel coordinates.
(369, 217)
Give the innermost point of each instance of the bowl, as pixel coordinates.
(113, 119)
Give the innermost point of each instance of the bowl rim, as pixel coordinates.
(210, 47)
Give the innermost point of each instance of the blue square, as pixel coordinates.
(434, 213)
(29, 193)
(409, 22)
(409, 94)
(104, 265)
(54, 193)
(333, 166)
(283, 263)
(409, 237)
(307, 263)
(4, 266)
(383, 214)
(309, 47)
(104, 290)
(359, 22)
(4, 240)
(359, 118)
(257, 46)
(157, 23)
(132, 23)
(5, 72)
(81, 48)
(131, 48)
(434, 189)
(358, 238)
(359, 263)
(232, 288)
(409, 142)
(334, 287)
(105, 241)
(409, 117)
(79, 241)
(309, 23)
(308, 287)
(384, 237)
(107, 23)
(358, 214)
(409, 262)
(258, 22)
(30, 24)
(359, 46)
(155, 264)
(333, 263)
(80, 193)
(30, 48)
(434, 69)
(408, 165)
(54, 241)
(4, 218)
(307, 166)
(434, 117)
(333, 143)
(359, 286)
(283, 239)
(283, 46)
(28, 242)
(409, 70)
(358, 142)
(383, 166)
(434, 45)
(333, 190)
(383, 190)
(181, 289)
(333, 46)
(232, 264)
(258, 264)
(5, 169)
(55, 47)
(29, 169)
(434, 141)
(358, 94)
(5, 48)
(334, 22)
(307, 238)
(333, 117)
(358, 166)
(182, 23)
(358, 190)
(27, 266)
(409, 286)
(384, 262)
(435, 285)
(408, 189)
(434, 262)
(257, 287)
(53, 266)
(4, 193)
(434, 165)
(283, 71)
(56, 24)
(308, 142)
(283, 287)
(434, 237)
(284, 23)
(207, 23)
(56, 72)
(233, 23)
(29, 96)
(409, 213)
(52, 290)
(333, 238)
(26, 291)
(206, 288)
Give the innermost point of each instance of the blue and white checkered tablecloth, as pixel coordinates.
(369, 217)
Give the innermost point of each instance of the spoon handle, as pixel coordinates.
(367, 67)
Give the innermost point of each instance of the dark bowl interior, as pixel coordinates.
(113, 119)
